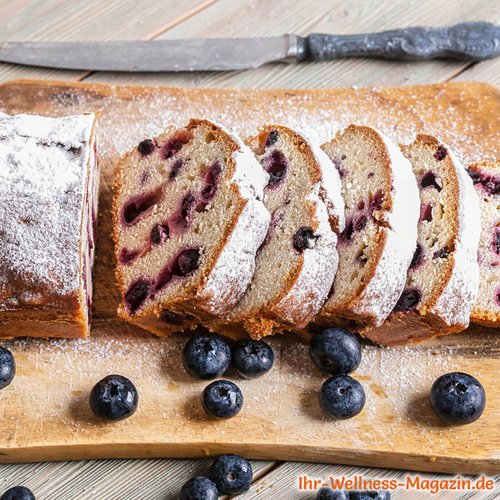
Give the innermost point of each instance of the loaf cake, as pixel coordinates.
(48, 215)
(486, 179)
(188, 219)
(442, 282)
(298, 260)
(379, 239)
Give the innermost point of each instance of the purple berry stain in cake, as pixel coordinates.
(209, 189)
(176, 168)
(338, 163)
(187, 262)
(347, 233)
(442, 253)
(184, 264)
(377, 200)
(495, 243)
(136, 294)
(146, 147)
(181, 218)
(409, 300)
(272, 138)
(497, 297)
(441, 153)
(488, 183)
(138, 205)
(276, 166)
(429, 180)
(417, 259)
(303, 239)
(127, 256)
(359, 222)
(159, 234)
(175, 143)
(425, 212)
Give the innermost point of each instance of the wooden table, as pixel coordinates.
(130, 19)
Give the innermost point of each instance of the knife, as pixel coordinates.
(471, 41)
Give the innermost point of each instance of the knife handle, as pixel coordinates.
(471, 41)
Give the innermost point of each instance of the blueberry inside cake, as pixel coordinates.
(188, 220)
(486, 179)
(298, 260)
(49, 184)
(378, 241)
(442, 281)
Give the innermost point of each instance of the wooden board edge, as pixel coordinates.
(403, 461)
(124, 89)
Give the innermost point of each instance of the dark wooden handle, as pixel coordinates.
(473, 41)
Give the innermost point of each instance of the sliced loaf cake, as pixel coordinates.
(188, 220)
(442, 282)
(298, 259)
(379, 239)
(486, 179)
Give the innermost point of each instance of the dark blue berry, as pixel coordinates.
(252, 358)
(457, 398)
(335, 351)
(304, 238)
(199, 488)
(232, 474)
(370, 495)
(18, 493)
(342, 397)
(7, 367)
(409, 299)
(222, 399)
(114, 398)
(206, 356)
(329, 494)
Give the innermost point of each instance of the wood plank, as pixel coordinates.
(45, 414)
(486, 71)
(260, 18)
(154, 479)
(283, 482)
(59, 20)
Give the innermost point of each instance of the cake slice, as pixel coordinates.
(486, 179)
(48, 214)
(379, 239)
(442, 282)
(188, 219)
(298, 259)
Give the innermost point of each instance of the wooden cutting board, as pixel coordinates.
(44, 413)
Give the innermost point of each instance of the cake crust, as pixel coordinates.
(47, 243)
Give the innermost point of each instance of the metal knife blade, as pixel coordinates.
(217, 54)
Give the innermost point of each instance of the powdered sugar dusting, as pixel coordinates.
(43, 183)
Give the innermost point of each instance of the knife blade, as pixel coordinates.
(473, 41)
(217, 54)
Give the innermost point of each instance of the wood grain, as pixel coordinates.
(261, 17)
(86, 20)
(45, 413)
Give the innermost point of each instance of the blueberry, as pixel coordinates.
(199, 488)
(7, 367)
(252, 358)
(206, 356)
(335, 351)
(18, 493)
(342, 397)
(114, 398)
(222, 399)
(370, 495)
(232, 474)
(329, 494)
(457, 398)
